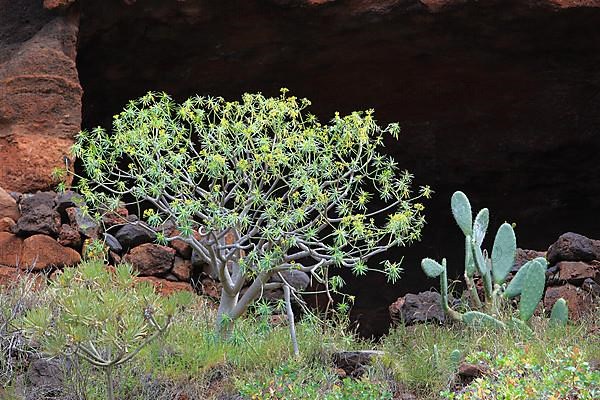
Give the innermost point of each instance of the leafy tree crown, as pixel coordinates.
(296, 192)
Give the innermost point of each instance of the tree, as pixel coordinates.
(257, 187)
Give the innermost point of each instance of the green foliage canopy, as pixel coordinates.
(295, 193)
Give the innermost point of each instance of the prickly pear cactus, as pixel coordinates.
(533, 290)
(560, 312)
(529, 282)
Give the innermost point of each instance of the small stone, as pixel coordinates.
(84, 223)
(8, 275)
(524, 255)
(113, 243)
(297, 279)
(131, 236)
(151, 259)
(354, 363)
(182, 269)
(415, 308)
(45, 374)
(117, 217)
(66, 200)
(41, 251)
(8, 206)
(590, 286)
(468, 370)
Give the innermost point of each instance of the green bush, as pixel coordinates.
(101, 315)
(292, 381)
(518, 375)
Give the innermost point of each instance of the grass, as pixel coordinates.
(257, 362)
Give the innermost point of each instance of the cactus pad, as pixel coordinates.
(503, 252)
(461, 209)
(560, 312)
(532, 291)
(477, 318)
(432, 268)
(480, 226)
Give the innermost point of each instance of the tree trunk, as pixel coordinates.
(224, 317)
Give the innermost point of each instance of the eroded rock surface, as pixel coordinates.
(40, 100)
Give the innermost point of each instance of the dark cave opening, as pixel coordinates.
(499, 100)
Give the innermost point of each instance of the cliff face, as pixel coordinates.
(40, 94)
(500, 99)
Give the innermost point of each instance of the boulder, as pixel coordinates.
(38, 215)
(182, 269)
(10, 249)
(83, 222)
(8, 206)
(579, 301)
(573, 247)
(41, 251)
(131, 235)
(414, 308)
(166, 287)
(151, 259)
(577, 272)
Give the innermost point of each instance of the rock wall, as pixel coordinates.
(40, 94)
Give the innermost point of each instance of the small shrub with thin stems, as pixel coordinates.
(100, 315)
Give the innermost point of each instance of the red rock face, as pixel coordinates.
(40, 100)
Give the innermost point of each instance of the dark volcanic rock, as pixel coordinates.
(84, 223)
(573, 247)
(422, 307)
(131, 236)
(38, 215)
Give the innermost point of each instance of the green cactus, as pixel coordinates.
(461, 209)
(503, 253)
(533, 290)
(529, 282)
(560, 312)
(455, 357)
(477, 318)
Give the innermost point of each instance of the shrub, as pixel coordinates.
(257, 187)
(516, 375)
(101, 316)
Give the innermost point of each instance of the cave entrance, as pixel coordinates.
(499, 100)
